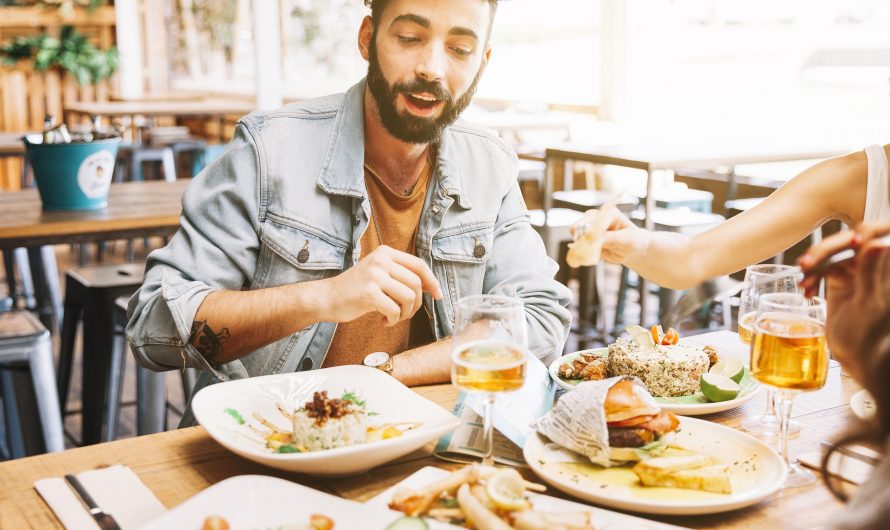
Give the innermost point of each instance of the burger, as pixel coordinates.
(637, 425)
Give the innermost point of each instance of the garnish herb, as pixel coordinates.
(235, 415)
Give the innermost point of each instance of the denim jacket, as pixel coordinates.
(293, 179)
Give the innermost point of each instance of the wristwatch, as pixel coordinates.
(380, 360)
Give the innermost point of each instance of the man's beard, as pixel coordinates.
(405, 126)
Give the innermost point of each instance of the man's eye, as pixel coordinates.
(407, 38)
(463, 52)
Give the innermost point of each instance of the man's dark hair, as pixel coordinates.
(377, 7)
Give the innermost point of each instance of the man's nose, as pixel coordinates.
(432, 64)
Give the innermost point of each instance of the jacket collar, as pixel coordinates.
(343, 171)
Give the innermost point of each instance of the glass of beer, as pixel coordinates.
(489, 353)
(789, 354)
(763, 279)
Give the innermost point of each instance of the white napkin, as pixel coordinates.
(845, 467)
(116, 489)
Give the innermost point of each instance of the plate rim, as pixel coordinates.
(684, 409)
(667, 508)
(449, 423)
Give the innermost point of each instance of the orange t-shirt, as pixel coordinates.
(397, 217)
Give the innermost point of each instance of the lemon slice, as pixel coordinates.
(730, 367)
(640, 335)
(717, 387)
(506, 489)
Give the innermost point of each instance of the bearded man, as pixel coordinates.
(351, 224)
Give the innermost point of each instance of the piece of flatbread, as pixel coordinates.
(588, 248)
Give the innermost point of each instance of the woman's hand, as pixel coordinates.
(622, 240)
(858, 291)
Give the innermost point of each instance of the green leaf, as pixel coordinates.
(235, 414)
(288, 448)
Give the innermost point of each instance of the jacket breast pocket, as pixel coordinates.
(460, 256)
(290, 255)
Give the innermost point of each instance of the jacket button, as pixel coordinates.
(303, 254)
(306, 364)
(478, 250)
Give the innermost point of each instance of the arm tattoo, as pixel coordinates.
(206, 341)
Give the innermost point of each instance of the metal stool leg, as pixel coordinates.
(43, 376)
(20, 256)
(151, 399)
(115, 386)
(168, 162)
(189, 378)
(16, 440)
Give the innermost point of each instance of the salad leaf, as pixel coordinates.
(235, 415)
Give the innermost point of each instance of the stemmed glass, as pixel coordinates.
(489, 353)
(762, 279)
(789, 354)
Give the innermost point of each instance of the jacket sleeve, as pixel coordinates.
(519, 266)
(216, 247)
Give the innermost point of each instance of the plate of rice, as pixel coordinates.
(333, 421)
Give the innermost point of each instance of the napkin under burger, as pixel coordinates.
(611, 422)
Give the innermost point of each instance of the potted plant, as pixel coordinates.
(71, 52)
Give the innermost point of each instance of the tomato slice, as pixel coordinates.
(632, 422)
(654, 332)
(671, 336)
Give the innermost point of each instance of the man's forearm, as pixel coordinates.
(426, 365)
(231, 324)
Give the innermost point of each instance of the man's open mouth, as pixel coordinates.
(422, 102)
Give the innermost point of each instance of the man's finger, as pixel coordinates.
(402, 295)
(410, 280)
(428, 280)
(387, 307)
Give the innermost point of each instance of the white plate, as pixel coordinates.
(602, 519)
(757, 471)
(392, 401)
(863, 405)
(251, 502)
(694, 405)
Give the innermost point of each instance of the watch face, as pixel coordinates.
(376, 359)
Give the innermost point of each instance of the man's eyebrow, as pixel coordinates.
(464, 32)
(425, 23)
(410, 17)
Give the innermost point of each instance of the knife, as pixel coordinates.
(103, 519)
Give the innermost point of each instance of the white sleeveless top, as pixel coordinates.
(877, 196)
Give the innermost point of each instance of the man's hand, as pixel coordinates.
(858, 291)
(387, 281)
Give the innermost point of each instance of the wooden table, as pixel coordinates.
(210, 107)
(135, 210)
(178, 464)
(652, 158)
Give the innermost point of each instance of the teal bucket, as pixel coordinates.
(74, 176)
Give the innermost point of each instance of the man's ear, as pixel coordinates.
(365, 34)
(486, 57)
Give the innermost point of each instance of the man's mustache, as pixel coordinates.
(422, 85)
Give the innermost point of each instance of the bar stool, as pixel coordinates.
(25, 346)
(90, 293)
(151, 386)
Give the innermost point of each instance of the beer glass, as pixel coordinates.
(790, 355)
(489, 353)
(762, 279)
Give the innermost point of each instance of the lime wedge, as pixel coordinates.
(730, 367)
(718, 387)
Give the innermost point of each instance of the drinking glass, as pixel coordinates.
(762, 279)
(489, 353)
(789, 354)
